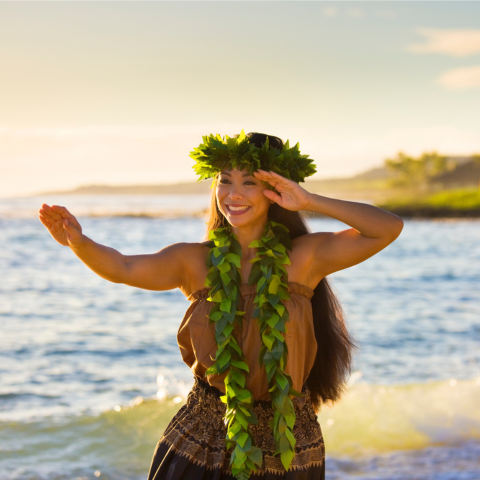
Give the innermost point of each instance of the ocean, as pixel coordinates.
(91, 373)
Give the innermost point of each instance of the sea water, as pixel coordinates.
(91, 373)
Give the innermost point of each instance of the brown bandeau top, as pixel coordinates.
(196, 338)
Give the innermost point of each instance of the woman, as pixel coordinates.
(273, 349)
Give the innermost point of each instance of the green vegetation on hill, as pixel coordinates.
(451, 203)
(430, 169)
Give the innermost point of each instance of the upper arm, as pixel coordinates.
(163, 270)
(334, 251)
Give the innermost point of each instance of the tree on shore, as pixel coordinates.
(407, 171)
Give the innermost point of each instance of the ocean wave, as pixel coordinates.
(418, 431)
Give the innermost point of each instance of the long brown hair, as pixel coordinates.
(335, 345)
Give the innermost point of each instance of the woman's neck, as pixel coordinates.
(247, 235)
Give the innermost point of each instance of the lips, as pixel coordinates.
(237, 209)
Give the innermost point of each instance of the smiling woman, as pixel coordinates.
(265, 353)
(286, 316)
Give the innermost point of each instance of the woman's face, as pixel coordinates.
(240, 198)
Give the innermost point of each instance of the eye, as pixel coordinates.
(223, 180)
(250, 181)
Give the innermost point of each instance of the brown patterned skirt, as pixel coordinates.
(193, 444)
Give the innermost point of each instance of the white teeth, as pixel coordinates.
(236, 209)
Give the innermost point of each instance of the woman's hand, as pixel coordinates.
(61, 224)
(292, 196)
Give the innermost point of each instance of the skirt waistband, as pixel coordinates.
(201, 388)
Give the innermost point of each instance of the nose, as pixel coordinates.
(235, 192)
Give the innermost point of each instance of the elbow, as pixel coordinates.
(397, 228)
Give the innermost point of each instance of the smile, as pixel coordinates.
(237, 209)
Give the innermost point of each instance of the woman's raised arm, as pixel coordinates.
(163, 270)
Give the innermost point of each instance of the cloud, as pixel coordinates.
(355, 12)
(461, 78)
(330, 11)
(456, 43)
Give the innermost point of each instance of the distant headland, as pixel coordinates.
(429, 186)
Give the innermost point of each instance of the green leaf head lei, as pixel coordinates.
(216, 154)
(270, 276)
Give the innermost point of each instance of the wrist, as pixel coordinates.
(79, 244)
(316, 203)
(309, 206)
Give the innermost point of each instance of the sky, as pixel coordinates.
(119, 93)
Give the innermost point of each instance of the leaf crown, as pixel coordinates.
(216, 154)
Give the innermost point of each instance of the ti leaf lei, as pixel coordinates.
(270, 276)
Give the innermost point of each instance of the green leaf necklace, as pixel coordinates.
(224, 279)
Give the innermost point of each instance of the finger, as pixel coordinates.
(272, 183)
(66, 214)
(271, 175)
(69, 225)
(47, 209)
(62, 211)
(47, 216)
(280, 177)
(272, 196)
(263, 173)
(45, 221)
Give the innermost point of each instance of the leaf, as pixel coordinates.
(230, 391)
(233, 258)
(284, 444)
(290, 438)
(241, 418)
(241, 365)
(215, 316)
(287, 458)
(225, 267)
(235, 428)
(242, 438)
(281, 380)
(228, 330)
(256, 244)
(278, 335)
(245, 411)
(239, 456)
(282, 425)
(211, 370)
(274, 283)
(224, 358)
(273, 299)
(261, 300)
(256, 456)
(295, 393)
(272, 321)
(225, 278)
(225, 305)
(244, 396)
(268, 340)
(290, 419)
